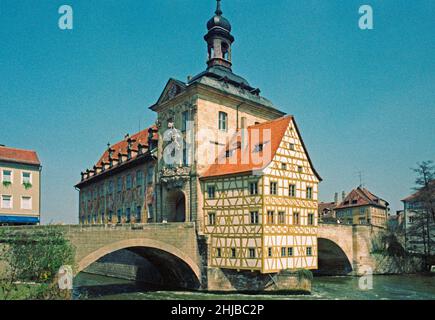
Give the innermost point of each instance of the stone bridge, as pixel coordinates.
(345, 249)
(179, 256)
(172, 248)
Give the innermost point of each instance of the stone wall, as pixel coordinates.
(247, 281)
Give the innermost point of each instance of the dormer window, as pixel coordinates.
(259, 147)
(223, 121)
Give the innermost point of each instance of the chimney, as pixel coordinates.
(336, 198)
(343, 195)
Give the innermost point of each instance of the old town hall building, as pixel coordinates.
(219, 155)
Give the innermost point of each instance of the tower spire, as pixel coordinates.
(218, 8)
(219, 40)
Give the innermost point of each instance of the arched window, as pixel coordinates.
(224, 48)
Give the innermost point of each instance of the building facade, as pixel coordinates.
(230, 161)
(120, 186)
(362, 207)
(20, 188)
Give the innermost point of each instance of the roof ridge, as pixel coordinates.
(17, 149)
(271, 121)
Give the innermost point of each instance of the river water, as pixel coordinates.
(396, 287)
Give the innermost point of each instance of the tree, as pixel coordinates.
(33, 256)
(424, 200)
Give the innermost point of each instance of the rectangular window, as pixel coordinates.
(128, 215)
(211, 191)
(274, 188)
(7, 202)
(309, 192)
(296, 218)
(254, 217)
(223, 121)
(281, 217)
(270, 217)
(150, 211)
(252, 253)
(26, 203)
(283, 251)
(233, 252)
(218, 252)
(119, 184)
(110, 187)
(291, 146)
(309, 251)
(26, 178)
(300, 169)
(184, 120)
(150, 174)
(185, 160)
(283, 166)
(311, 219)
(253, 188)
(269, 252)
(138, 214)
(290, 251)
(292, 190)
(7, 176)
(119, 216)
(128, 182)
(211, 219)
(139, 178)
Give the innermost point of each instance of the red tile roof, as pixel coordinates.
(361, 197)
(19, 156)
(245, 161)
(326, 205)
(121, 147)
(417, 194)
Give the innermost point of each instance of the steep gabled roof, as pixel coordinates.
(8, 154)
(172, 84)
(361, 197)
(244, 161)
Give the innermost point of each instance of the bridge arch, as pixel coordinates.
(332, 259)
(142, 244)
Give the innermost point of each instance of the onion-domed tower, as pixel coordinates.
(219, 40)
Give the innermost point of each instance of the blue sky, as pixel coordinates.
(364, 100)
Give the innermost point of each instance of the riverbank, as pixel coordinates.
(385, 287)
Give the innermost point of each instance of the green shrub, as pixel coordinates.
(33, 256)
